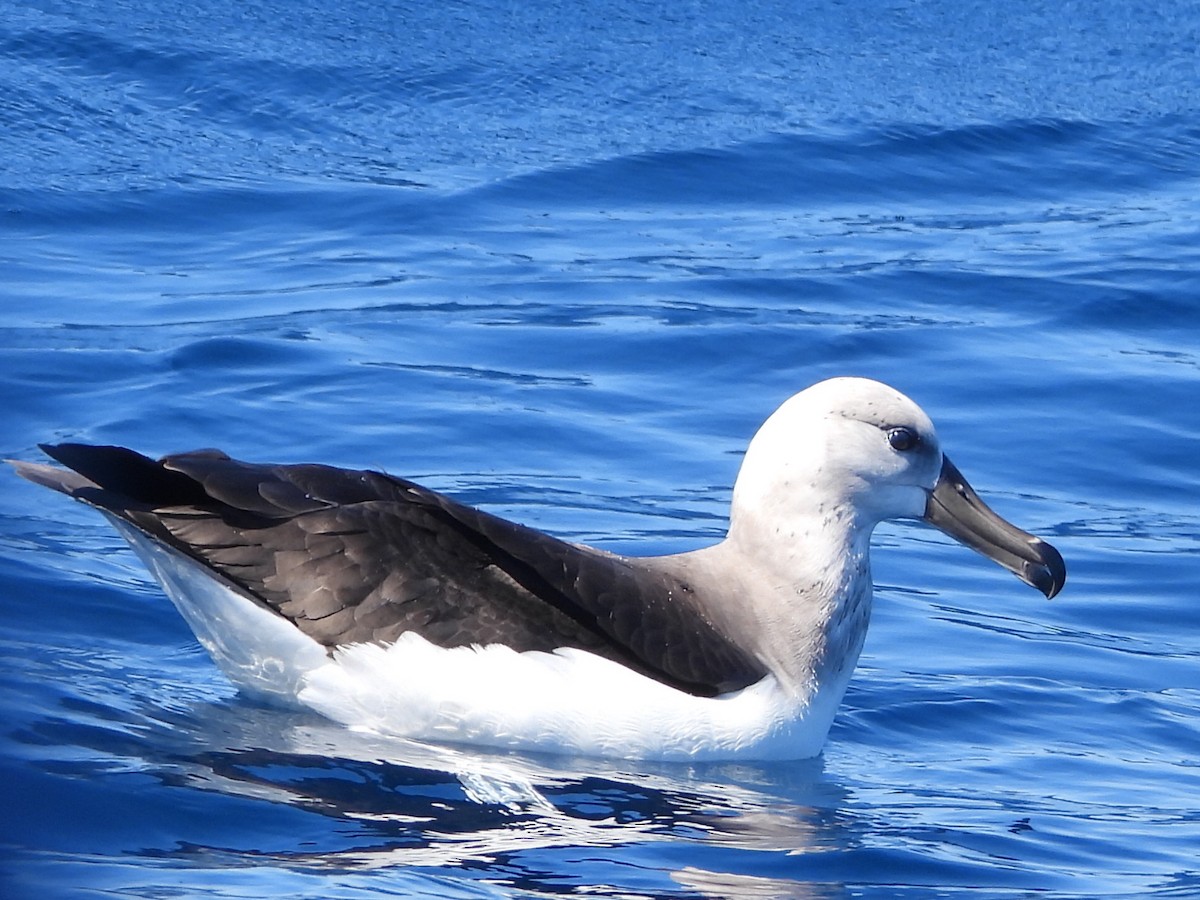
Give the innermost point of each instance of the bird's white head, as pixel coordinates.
(846, 448)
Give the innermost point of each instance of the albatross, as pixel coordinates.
(395, 609)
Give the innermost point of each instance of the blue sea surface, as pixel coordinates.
(561, 260)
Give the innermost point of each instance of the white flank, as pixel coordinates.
(566, 701)
(260, 652)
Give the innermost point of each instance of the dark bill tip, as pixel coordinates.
(956, 509)
(1048, 576)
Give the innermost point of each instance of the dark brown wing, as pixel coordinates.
(354, 556)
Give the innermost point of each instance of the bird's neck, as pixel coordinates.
(808, 583)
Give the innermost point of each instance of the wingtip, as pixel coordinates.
(23, 464)
(51, 450)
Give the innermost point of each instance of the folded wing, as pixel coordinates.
(358, 556)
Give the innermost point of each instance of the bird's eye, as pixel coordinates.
(903, 438)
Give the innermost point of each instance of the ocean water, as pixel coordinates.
(561, 260)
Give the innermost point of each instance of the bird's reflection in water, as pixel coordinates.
(419, 805)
